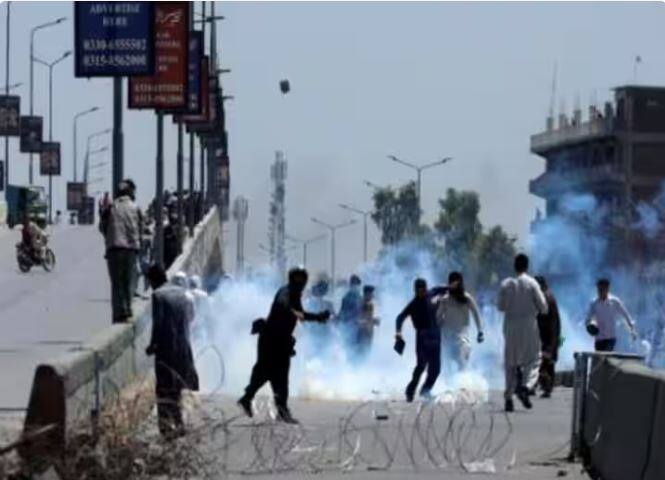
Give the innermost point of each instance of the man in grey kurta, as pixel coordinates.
(521, 300)
(121, 224)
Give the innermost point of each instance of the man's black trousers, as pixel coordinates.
(428, 356)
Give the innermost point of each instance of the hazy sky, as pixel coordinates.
(417, 80)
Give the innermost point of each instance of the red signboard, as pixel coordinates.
(167, 88)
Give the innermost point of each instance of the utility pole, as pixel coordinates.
(277, 220)
(305, 244)
(50, 122)
(159, 192)
(333, 229)
(76, 117)
(365, 214)
(7, 93)
(240, 213)
(32, 76)
(118, 141)
(419, 170)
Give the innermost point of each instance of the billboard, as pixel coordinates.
(49, 159)
(113, 39)
(166, 89)
(30, 134)
(76, 193)
(10, 112)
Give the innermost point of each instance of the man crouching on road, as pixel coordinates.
(172, 313)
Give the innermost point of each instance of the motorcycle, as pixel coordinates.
(26, 259)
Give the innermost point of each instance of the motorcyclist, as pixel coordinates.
(33, 238)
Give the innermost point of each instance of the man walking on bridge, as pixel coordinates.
(121, 224)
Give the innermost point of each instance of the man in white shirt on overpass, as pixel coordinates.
(602, 317)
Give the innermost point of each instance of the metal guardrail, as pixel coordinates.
(580, 389)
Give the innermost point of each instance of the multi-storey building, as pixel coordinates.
(602, 170)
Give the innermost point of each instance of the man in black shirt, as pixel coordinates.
(422, 311)
(276, 345)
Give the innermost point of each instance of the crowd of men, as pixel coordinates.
(441, 316)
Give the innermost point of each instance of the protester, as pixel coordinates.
(549, 326)
(422, 312)
(171, 239)
(121, 224)
(172, 314)
(453, 311)
(276, 344)
(349, 313)
(602, 317)
(367, 323)
(521, 300)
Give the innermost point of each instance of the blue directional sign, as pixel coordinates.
(114, 39)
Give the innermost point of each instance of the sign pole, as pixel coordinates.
(159, 191)
(118, 163)
(6, 181)
(180, 174)
(50, 139)
(202, 150)
(190, 206)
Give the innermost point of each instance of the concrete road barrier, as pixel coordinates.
(69, 391)
(624, 425)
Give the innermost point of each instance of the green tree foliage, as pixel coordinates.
(495, 253)
(396, 213)
(459, 225)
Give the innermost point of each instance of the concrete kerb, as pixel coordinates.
(70, 390)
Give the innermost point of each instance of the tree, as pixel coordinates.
(396, 213)
(495, 253)
(458, 223)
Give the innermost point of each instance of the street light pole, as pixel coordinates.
(7, 93)
(32, 80)
(333, 229)
(419, 170)
(305, 244)
(50, 123)
(76, 117)
(365, 214)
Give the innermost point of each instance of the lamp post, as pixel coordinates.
(333, 229)
(305, 244)
(88, 142)
(76, 117)
(50, 121)
(7, 89)
(419, 170)
(365, 214)
(33, 31)
(88, 155)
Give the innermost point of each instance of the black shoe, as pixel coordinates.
(409, 398)
(284, 415)
(246, 404)
(546, 395)
(523, 396)
(510, 406)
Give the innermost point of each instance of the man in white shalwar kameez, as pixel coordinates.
(521, 300)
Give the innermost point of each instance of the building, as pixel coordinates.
(612, 165)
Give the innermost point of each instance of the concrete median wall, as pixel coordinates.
(70, 390)
(624, 425)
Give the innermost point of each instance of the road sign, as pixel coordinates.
(76, 193)
(31, 134)
(10, 112)
(167, 88)
(49, 159)
(114, 39)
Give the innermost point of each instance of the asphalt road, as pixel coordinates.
(384, 439)
(44, 314)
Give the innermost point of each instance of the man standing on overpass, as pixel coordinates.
(121, 224)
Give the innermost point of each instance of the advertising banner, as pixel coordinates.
(166, 89)
(76, 193)
(10, 113)
(114, 39)
(49, 159)
(30, 134)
